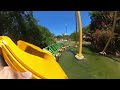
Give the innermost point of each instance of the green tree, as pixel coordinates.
(102, 22)
(86, 30)
(47, 36)
(74, 37)
(22, 25)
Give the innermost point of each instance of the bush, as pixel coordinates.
(100, 38)
(87, 37)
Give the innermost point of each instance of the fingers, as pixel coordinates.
(25, 75)
(1, 73)
(9, 73)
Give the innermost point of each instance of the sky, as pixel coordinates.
(59, 22)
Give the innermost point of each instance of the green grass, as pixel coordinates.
(95, 66)
(69, 43)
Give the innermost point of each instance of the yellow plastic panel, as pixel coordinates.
(38, 65)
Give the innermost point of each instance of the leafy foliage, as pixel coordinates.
(22, 25)
(100, 38)
(74, 36)
(47, 36)
(101, 20)
(86, 30)
(101, 25)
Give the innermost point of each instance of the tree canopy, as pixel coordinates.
(101, 27)
(22, 25)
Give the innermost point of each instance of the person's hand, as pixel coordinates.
(8, 73)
